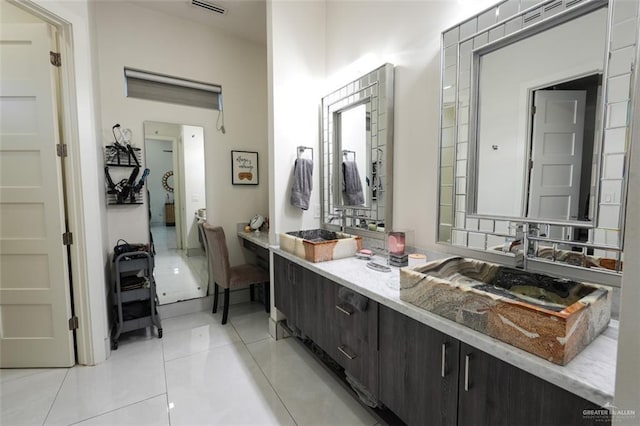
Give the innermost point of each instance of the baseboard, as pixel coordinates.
(277, 329)
(196, 251)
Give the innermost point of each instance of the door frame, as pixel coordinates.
(538, 143)
(69, 134)
(530, 90)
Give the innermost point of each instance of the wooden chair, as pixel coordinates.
(226, 276)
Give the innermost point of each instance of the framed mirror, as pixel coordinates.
(357, 155)
(176, 193)
(514, 178)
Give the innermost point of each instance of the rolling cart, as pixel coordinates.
(134, 294)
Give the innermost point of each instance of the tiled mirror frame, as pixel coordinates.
(376, 88)
(455, 227)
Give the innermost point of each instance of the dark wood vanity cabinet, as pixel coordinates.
(354, 338)
(430, 378)
(424, 376)
(493, 392)
(288, 291)
(418, 370)
(312, 307)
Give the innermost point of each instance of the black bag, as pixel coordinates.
(124, 247)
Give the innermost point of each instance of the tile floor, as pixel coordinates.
(200, 372)
(178, 276)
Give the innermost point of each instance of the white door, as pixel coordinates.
(34, 289)
(558, 128)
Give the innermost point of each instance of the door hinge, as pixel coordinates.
(73, 323)
(533, 110)
(55, 59)
(67, 238)
(61, 149)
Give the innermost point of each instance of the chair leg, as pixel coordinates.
(215, 298)
(225, 309)
(267, 298)
(252, 294)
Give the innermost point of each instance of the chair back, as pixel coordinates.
(218, 255)
(203, 237)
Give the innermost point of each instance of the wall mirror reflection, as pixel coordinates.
(535, 107)
(357, 155)
(174, 153)
(354, 137)
(538, 106)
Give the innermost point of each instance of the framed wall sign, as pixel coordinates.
(244, 168)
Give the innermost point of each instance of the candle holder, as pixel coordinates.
(396, 242)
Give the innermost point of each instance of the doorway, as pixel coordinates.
(176, 187)
(35, 260)
(563, 152)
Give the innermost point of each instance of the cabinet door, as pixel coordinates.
(493, 392)
(357, 341)
(285, 289)
(418, 370)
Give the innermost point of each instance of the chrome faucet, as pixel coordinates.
(342, 217)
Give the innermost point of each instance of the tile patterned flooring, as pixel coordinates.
(200, 372)
(178, 276)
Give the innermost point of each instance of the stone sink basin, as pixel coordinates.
(320, 245)
(550, 317)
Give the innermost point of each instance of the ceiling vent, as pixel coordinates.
(209, 6)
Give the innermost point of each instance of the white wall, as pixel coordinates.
(506, 76)
(627, 393)
(131, 36)
(297, 51)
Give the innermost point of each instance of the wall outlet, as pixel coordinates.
(316, 211)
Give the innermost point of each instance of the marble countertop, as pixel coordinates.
(261, 238)
(590, 375)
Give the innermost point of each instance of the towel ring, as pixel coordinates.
(346, 153)
(302, 149)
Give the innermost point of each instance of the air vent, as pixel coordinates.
(572, 3)
(552, 6)
(209, 6)
(533, 16)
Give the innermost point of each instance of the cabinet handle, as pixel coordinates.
(343, 310)
(467, 360)
(444, 359)
(345, 353)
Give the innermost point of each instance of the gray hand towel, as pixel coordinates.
(302, 183)
(351, 185)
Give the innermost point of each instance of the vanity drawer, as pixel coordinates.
(262, 254)
(355, 337)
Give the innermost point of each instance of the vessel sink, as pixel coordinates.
(320, 245)
(550, 317)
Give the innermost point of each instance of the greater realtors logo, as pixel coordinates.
(607, 412)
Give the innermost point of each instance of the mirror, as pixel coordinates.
(483, 149)
(353, 138)
(356, 155)
(538, 121)
(174, 154)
